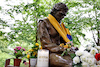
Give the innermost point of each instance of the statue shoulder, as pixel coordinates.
(43, 20)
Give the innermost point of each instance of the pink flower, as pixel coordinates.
(24, 49)
(18, 47)
(18, 51)
(15, 51)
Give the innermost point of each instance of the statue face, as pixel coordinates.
(60, 14)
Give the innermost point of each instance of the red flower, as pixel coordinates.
(97, 56)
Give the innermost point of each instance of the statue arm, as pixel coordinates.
(45, 39)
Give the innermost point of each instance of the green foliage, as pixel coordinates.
(67, 51)
(0, 8)
(19, 52)
(64, 53)
(82, 17)
(24, 32)
(3, 23)
(3, 57)
(77, 65)
(72, 55)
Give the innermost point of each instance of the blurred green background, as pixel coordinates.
(19, 19)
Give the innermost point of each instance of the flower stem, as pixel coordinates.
(65, 51)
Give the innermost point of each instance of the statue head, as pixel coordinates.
(59, 10)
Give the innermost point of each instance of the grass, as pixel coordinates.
(3, 57)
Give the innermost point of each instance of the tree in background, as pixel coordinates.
(82, 15)
(25, 29)
(85, 17)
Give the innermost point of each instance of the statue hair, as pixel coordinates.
(59, 6)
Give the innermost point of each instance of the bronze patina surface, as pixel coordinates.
(50, 38)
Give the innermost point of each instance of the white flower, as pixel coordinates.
(98, 65)
(98, 62)
(98, 51)
(94, 65)
(97, 47)
(93, 51)
(94, 60)
(87, 54)
(91, 56)
(76, 60)
(91, 61)
(79, 53)
(88, 47)
(84, 64)
(83, 58)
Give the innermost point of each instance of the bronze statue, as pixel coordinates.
(50, 38)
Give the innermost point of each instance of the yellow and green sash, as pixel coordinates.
(62, 30)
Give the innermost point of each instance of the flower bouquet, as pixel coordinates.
(32, 54)
(69, 50)
(90, 57)
(18, 52)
